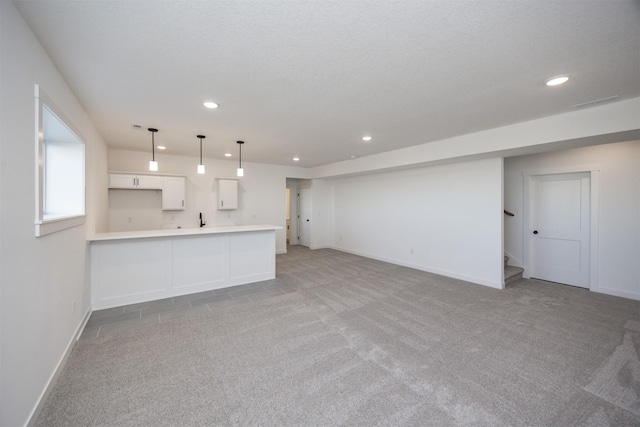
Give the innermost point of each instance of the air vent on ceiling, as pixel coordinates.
(595, 101)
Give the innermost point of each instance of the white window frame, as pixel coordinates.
(43, 225)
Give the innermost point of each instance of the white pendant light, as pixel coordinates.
(240, 171)
(201, 166)
(153, 165)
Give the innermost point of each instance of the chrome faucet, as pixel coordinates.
(202, 224)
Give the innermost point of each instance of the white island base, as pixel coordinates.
(134, 267)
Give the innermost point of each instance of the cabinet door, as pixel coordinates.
(149, 182)
(173, 192)
(227, 194)
(118, 180)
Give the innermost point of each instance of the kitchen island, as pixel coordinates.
(138, 266)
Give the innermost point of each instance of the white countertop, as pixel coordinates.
(177, 232)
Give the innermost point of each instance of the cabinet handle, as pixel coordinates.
(222, 203)
(183, 203)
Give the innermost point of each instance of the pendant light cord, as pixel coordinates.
(153, 143)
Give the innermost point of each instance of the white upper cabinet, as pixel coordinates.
(150, 182)
(132, 181)
(122, 181)
(173, 192)
(227, 194)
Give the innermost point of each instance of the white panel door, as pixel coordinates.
(560, 227)
(305, 217)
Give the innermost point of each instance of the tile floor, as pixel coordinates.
(106, 321)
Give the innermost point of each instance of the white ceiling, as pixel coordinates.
(310, 78)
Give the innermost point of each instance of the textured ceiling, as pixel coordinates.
(310, 78)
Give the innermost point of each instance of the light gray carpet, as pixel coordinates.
(359, 342)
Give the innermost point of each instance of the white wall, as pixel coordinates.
(619, 208)
(450, 216)
(322, 213)
(261, 190)
(44, 291)
(136, 210)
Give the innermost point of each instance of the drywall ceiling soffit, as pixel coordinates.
(309, 79)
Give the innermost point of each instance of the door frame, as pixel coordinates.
(300, 219)
(527, 227)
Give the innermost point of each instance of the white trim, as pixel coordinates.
(470, 279)
(594, 256)
(562, 170)
(35, 412)
(52, 225)
(618, 293)
(502, 209)
(44, 226)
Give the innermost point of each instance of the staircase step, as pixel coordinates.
(506, 258)
(512, 274)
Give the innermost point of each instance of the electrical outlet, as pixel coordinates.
(411, 250)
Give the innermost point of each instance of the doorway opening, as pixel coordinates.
(297, 191)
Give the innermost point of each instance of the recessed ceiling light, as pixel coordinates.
(557, 80)
(161, 147)
(210, 104)
(227, 154)
(295, 159)
(366, 138)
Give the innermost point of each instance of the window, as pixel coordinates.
(59, 169)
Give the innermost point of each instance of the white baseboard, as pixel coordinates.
(321, 247)
(617, 293)
(483, 282)
(59, 367)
